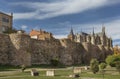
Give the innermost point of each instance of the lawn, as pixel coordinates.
(60, 73)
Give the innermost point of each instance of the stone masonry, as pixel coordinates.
(19, 49)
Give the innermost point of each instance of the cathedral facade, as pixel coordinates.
(94, 38)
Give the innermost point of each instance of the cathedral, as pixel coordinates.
(94, 38)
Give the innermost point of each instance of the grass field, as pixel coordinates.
(60, 73)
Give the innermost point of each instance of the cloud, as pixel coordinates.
(112, 29)
(24, 15)
(43, 10)
(24, 27)
(55, 8)
(60, 36)
(117, 43)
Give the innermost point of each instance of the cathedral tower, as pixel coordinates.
(71, 35)
(93, 37)
(103, 37)
(103, 31)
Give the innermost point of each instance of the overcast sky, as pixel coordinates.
(57, 16)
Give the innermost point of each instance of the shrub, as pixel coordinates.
(110, 60)
(118, 66)
(54, 62)
(102, 65)
(94, 65)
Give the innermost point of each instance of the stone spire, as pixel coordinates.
(111, 45)
(71, 32)
(93, 32)
(103, 30)
(71, 35)
(93, 37)
(104, 38)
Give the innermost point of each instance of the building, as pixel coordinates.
(41, 35)
(95, 39)
(5, 21)
(71, 36)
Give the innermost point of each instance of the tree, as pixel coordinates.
(111, 59)
(116, 50)
(118, 66)
(114, 61)
(102, 67)
(94, 65)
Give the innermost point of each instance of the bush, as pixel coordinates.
(118, 66)
(102, 65)
(94, 65)
(110, 60)
(54, 62)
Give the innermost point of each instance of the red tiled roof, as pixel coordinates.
(34, 32)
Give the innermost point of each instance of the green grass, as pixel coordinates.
(15, 73)
(26, 75)
(38, 77)
(99, 75)
(8, 68)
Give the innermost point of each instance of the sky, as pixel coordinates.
(58, 16)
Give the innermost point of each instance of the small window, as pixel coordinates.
(5, 20)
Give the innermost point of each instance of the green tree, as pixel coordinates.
(94, 65)
(118, 66)
(111, 59)
(102, 65)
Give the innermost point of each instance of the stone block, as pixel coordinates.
(86, 67)
(77, 70)
(50, 73)
(34, 72)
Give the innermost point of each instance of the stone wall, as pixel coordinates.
(7, 50)
(4, 54)
(21, 43)
(18, 49)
